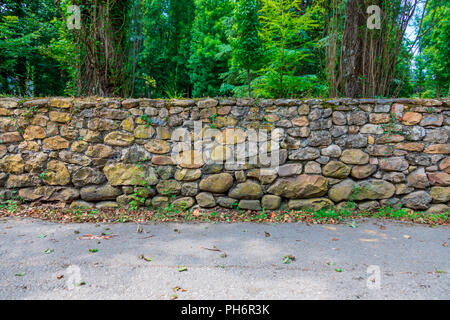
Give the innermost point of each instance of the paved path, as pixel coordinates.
(413, 262)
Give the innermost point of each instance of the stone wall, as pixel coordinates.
(106, 152)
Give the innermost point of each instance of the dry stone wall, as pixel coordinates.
(109, 152)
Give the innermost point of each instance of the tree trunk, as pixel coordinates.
(352, 49)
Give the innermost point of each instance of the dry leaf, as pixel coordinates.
(95, 237)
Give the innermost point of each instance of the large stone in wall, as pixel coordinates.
(169, 187)
(250, 190)
(55, 143)
(12, 164)
(129, 174)
(22, 180)
(393, 164)
(86, 176)
(57, 173)
(309, 204)
(363, 190)
(190, 159)
(440, 194)
(118, 138)
(157, 146)
(354, 156)
(419, 200)
(48, 193)
(99, 151)
(99, 193)
(34, 132)
(302, 186)
(74, 158)
(336, 169)
(217, 183)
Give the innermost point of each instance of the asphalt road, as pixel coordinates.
(43, 260)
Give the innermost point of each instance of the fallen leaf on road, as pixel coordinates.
(330, 263)
(214, 248)
(145, 258)
(334, 239)
(223, 255)
(288, 259)
(445, 244)
(182, 268)
(48, 251)
(79, 284)
(95, 237)
(93, 250)
(42, 236)
(60, 277)
(266, 234)
(338, 270)
(175, 289)
(368, 240)
(139, 229)
(407, 236)
(20, 274)
(173, 297)
(439, 271)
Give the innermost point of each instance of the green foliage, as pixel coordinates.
(433, 62)
(26, 28)
(288, 35)
(207, 47)
(196, 48)
(247, 44)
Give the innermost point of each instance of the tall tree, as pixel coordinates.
(208, 36)
(287, 35)
(247, 44)
(102, 46)
(352, 49)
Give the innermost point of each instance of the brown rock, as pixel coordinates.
(302, 186)
(55, 143)
(440, 194)
(61, 117)
(12, 163)
(57, 173)
(217, 183)
(162, 160)
(411, 118)
(438, 148)
(410, 146)
(157, 146)
(190, 159)
(117, 138)
(364, 171)
(300, 122)
(99, 151)
(393, 164)
(418, 179)
(445, 165)
(439, 178)
(34, 132)
(61, 102)
(10, 137)
(354, 156)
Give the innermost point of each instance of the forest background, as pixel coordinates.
(241, 48)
